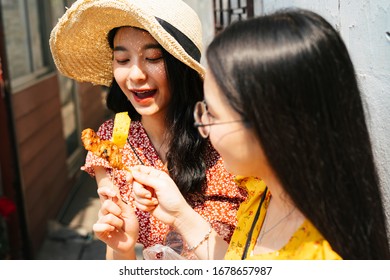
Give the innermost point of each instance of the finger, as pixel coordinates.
(147, 170)
(106, 192)
(143, 196)
(111, 220)
(146, 201)
(100, 228)
(141, 168)
(129, 177)
(122, 208)
(111, 195)
(150, 179)
(145, 208)
(140, 191)
(109, 206)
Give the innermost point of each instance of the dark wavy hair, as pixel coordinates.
(290, 76)
(185, 155)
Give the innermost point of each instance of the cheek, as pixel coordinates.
(240, 152)
(157, 71)
(120, 74)
(228, 145)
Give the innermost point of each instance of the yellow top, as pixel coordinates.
(307, 243)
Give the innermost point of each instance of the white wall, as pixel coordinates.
(204, 9)
(363, 25)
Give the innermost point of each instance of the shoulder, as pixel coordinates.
(309, 243)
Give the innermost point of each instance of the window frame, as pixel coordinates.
(223, 9)
(34, 73)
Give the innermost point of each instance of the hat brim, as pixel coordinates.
(79, 42)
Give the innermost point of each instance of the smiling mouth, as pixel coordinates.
(142, 94)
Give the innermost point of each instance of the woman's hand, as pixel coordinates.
(117, 225)
(157, 193)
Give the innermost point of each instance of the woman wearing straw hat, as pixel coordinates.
(288, 70)
(148, 53)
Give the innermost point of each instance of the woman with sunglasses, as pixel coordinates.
(284, 105)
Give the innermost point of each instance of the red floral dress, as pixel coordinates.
(218, 205)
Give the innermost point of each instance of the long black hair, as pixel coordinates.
(290, 76)
(186, 151)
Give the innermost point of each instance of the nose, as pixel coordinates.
(136, 74)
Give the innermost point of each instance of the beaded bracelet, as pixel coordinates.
(206, 237)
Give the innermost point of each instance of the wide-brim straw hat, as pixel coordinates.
(79, 42)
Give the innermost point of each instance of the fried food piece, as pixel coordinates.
(105, 149)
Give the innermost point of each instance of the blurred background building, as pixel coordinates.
(43, 113)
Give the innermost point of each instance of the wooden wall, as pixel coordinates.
(42, 148)
(42, 154)
(92, 105)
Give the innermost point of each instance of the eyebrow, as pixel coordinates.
(145, 47)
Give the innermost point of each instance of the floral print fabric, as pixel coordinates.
(307, 243)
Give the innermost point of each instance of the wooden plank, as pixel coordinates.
(36, 120)
(29, 99)
(41, 214)
(53, 154)
(35, 144)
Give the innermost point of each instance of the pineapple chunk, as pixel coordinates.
(121, 129)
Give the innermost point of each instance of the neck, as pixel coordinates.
(281, 203)
(283, 219)
(279, 196)
(156, 130)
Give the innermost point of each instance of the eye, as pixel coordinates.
(122, 61)
(153, 54)
(154, 59)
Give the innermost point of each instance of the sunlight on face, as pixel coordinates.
(237, 145)
(139, 69)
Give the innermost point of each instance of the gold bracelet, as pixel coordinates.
(206, 237)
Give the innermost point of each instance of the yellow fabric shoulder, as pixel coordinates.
(121, 129)
(307, 243)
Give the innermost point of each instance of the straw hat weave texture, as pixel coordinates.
(79, 42)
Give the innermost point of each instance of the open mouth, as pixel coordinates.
(143, 94)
